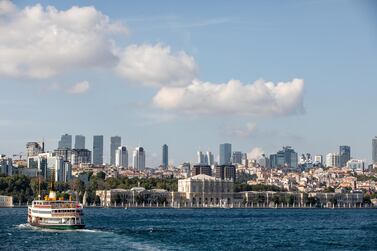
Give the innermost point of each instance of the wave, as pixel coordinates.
(27, 226)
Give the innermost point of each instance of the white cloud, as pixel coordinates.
(260, 98)
(39, 42)
(255, 153)
(156, 66)
(245, 131)
(7, 7)
(79, 88)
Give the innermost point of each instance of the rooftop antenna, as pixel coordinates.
(43, 145)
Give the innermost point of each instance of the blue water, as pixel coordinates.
(199, 229)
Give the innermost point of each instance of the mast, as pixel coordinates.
(39, 185)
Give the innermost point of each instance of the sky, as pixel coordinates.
(257, 74)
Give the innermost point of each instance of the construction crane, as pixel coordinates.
(18, 155)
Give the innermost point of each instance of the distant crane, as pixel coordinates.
(18, 155)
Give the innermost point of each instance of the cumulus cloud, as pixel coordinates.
(156, 65)
(7, 7)
(245, 131)
(38, 42)
(79, 88)
(260, 98)
(255, 153)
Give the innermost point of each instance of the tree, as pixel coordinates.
(101, 175)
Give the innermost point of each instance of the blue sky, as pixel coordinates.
(98, 87)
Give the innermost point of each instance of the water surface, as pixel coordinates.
(199, 229)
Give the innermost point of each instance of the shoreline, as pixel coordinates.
(169, 207)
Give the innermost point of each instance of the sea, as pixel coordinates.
(198, 229)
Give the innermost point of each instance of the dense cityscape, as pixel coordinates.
(233, 180)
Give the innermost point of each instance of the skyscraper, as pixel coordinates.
(201, 158)
(98, 149)
(33, 149)
(79, 142)
(318, 160)
(138, 158)
(65, 142)
(121, 157)
(115, 142)
(344, 155)
(210, 158)
(237, 157)
(287, 157)
(332, 160)
(225, 154)
(374, 150)
(165, 155)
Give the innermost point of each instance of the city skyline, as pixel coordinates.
(322, 61)
(338, 159)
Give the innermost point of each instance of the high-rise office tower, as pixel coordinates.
(374, 150)
(65, 142)
(98, 149)
(79, 142)
(344, 155)
(237, 157)
(318, 159)
(287, 157)
(225, 154)
(138, 158)
(201, 158)
(332, 160)
(165, 155)
(121, 157)
(210, 158)
(115, 142)
(33, 149)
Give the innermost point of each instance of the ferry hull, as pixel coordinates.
(59, 227)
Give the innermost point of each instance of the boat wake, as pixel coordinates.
(27, 226)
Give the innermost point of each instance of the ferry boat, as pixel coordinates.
(53, 212)
(56, 213)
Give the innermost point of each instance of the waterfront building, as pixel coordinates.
(226, 172)
(65, 142)
(374, 150)
(237, 157)
(286, 157)
(6, 201)
(80, 142)
(80, 156)
(225, 154)
(121, 157)
(344, 155)
(356, 165)
(165, 156)
(138, 159)
(97, 150)
(115, 143)
(210, 158)
(203, 190)
(201, 169)
(6, 166)
(136, 196)
(33, 149)
(332, 160)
